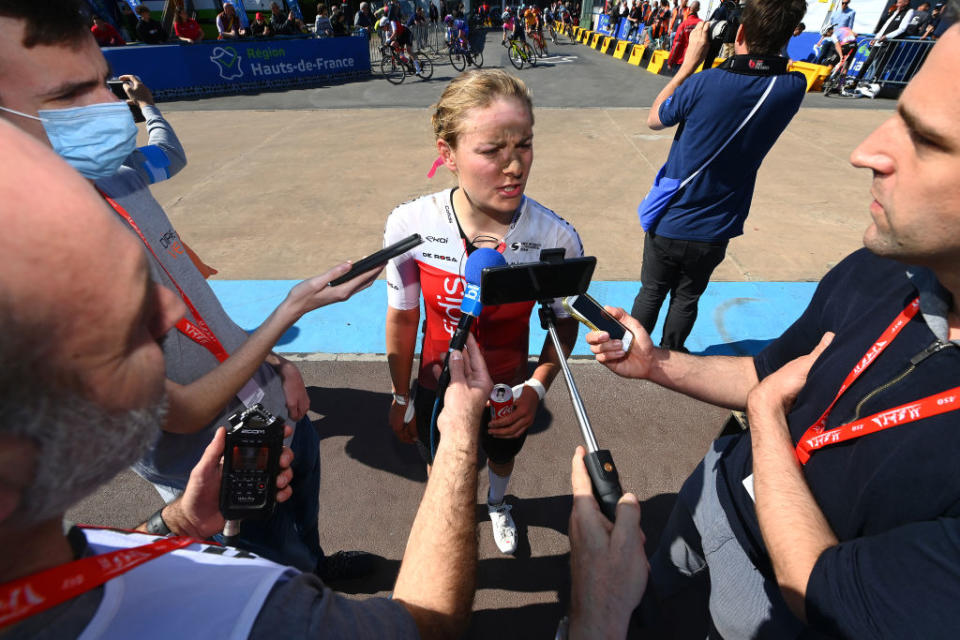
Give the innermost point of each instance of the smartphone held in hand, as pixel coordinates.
(591, 313)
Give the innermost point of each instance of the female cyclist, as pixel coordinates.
(483, 124)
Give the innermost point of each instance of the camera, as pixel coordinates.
(251, 462)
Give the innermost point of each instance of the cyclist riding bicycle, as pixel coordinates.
(516, 27)
(457, 31)
(506, 22)
(531, 20)
(398, 37)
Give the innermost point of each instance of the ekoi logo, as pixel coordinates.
(228, 62)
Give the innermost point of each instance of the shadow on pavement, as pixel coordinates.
(362, 415)
(531, 621)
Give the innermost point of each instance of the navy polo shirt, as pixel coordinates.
(708, 107)
(893, 497)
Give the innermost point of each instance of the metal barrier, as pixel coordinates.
(898, 61)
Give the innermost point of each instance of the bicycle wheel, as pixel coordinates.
(531, 58)
(516, 56)
(426, 67)
(458, 60)
(542, 48)
(392, 70)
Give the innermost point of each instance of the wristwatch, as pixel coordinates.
(156, 525)
(400, 400)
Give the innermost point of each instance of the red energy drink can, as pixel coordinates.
(501, 400)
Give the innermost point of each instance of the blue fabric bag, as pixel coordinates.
(657, 199)
(655, 203)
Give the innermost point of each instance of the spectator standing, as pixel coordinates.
(128, 22)
(682, 38)
(635, 18)
(322, 27)
(364, 18)
(434, 14)
(105, 34)
(284, 24)
(723, 29)
(919, 21)
(680, 13)
(260, 28)
(149, 30)
(186, 28)
(897, 22)
(689, 238)
(936, 26)
(844, 16)
(393, 12)
(661, 25)
(339, 25)
(228, 24)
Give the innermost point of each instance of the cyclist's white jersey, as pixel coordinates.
(435, 269)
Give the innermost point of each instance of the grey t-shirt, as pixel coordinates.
(173, 456)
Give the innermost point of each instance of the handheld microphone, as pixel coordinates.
(470, 309)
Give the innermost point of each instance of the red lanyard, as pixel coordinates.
(33, 594)
(197, 331)
(816, 438)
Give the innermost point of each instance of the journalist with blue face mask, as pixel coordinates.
(53, 86)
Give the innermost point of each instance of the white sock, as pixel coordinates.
(498, 487)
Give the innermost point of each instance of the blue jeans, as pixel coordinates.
(291, 535)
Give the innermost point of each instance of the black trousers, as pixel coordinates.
(878, 56)
(681, 268)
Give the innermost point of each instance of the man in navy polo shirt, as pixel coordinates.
(837, 513)
(689, 240)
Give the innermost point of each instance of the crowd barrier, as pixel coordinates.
(227, 67)
(894, 64)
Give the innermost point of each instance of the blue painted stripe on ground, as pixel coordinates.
(735, 317)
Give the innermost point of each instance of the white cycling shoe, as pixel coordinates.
(504, 528)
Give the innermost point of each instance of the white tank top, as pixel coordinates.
(198, 592)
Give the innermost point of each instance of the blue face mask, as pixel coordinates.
(94, 140)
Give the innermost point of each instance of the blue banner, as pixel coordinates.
(860, 57)
(133, 4)
(624, 29)
(240, 63)
(241, 12)
(603, 22)
(295, 7)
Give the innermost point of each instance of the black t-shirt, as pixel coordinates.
(892, 498)
(151, 32)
